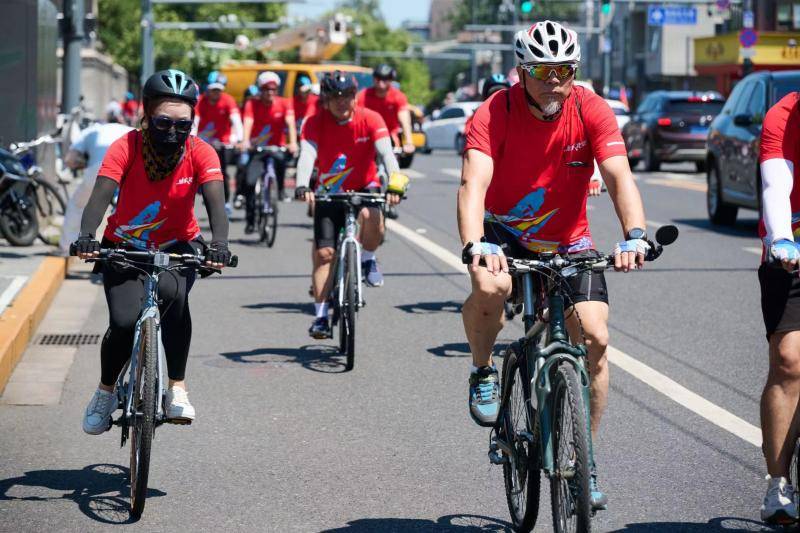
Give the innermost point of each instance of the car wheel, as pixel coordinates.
(651, 162)
(701, 166)
(719, 213)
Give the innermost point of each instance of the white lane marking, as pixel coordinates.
(413, 174)
(8, 295)
(680, 394)
(455, 172)
(647, 375)
(422, 231)
(752, 250)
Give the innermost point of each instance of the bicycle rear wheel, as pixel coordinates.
(519, 429)
(569, 483)
(794, 468)
(51, 208)
(144, 408)
(347, 316)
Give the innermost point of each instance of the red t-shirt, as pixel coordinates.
(345, 152)
(542, 169)
(303, 109)
(269, 122)
(156, 213)
(215, 119)
(776, 144)
(388, 107)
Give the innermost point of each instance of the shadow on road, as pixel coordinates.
(424, 308)
(744, 228)
(451, 349)
(317, 357)
(726, 524)
(283, 307)
(101, 490)
(445, 524)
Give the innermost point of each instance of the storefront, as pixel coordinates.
(721, 57)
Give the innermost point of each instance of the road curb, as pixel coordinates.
(20, 320)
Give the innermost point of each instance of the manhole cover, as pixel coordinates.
(68, 339)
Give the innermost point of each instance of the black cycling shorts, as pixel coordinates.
(584, 287)
(329, 219)
(780, 299)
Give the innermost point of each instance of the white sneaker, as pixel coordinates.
(178, 406)
(97, 417)
(779, 506)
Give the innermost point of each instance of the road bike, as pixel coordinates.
(543, 423)
(346, 294)
(266, 190)
(140, 387)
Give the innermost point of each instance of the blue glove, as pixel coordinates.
(640, 246)
(784, 250)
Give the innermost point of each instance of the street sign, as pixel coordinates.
(671, 15)
(748, 19)
(747, 53)
(748, 37)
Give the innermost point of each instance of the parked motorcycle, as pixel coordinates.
(19, 222)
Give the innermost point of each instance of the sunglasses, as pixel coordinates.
(164, 123)
(543, 72)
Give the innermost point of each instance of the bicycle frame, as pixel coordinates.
(348, 237)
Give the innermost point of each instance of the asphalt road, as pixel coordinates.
(287, 441)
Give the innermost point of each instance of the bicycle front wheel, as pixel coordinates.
(271, 215)
(569, 483)
(519, 429)
(51, 209)
(347, 317)
(144, 408)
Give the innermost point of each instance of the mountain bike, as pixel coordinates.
(141, 386)
(543, 423)
(266, 191)
(346, 294)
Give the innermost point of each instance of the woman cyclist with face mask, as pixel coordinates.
(158, 169)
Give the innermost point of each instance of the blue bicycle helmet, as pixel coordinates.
(216, 80)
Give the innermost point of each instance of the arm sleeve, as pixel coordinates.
(384, 148)
(207, 166)
(777, 179)
(102, 193)
(602, 129)
(305, 163)
(214, 198)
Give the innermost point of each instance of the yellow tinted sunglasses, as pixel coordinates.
(543, 72)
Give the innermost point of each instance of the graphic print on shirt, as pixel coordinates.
(137, 230)
(333, 180)
(209, 133)
(524, 222)
(262, 139)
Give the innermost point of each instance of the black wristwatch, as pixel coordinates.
(636, 233)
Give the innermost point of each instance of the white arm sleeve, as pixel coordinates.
(238, 129)
(305, 163)
(777, 178)
(386, 153)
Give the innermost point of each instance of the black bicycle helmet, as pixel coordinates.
(171, 83)
(492, 84)
(339, 83)
(385, 72)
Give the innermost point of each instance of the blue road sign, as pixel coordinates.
(671, 15)
(748, 37)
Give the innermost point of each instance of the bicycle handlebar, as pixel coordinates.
(121, 255)
(22, 147)
(364, 199)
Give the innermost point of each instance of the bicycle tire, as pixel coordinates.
(522, 470)
(51, 209)
(271, 222)
(569, 483)
(347, 331)
(19, 222)
(143, 426)
(794, 467)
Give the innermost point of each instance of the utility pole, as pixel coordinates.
(71, 69)
(148, 61)
(606, 16)
(747, 63)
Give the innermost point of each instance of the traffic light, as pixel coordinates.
(526, 7)
(605, 7)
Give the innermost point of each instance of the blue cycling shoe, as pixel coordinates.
(484, 396)
(597, 497)
(372, 273)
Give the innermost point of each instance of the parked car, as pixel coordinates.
(734, 178)
(443, 132)
(620, 110)
(671, 126)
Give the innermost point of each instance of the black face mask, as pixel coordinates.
(166, 142)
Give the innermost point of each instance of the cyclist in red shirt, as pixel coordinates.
(392, 105)
(527, 166)
(342, 140)
(218, 122)
(158, 170)
(267, 119)
(130, 108)
(305, 101)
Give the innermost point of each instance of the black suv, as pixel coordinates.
(671, 126)
(734, 178)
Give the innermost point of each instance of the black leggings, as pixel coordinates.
(124, 294)
(222, 153)
(255, 171)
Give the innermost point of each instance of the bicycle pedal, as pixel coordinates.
(497, 458)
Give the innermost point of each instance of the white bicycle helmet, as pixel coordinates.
(268, 78)
(547, 42)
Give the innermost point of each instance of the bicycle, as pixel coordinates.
(141, 397)
(266, 191)
(543, 423)
(346, 294)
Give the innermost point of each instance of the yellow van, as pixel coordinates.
(242, 75)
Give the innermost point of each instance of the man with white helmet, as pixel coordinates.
(527, 165)
(266, 118)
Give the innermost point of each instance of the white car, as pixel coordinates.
(621, 111)
(445, 131)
